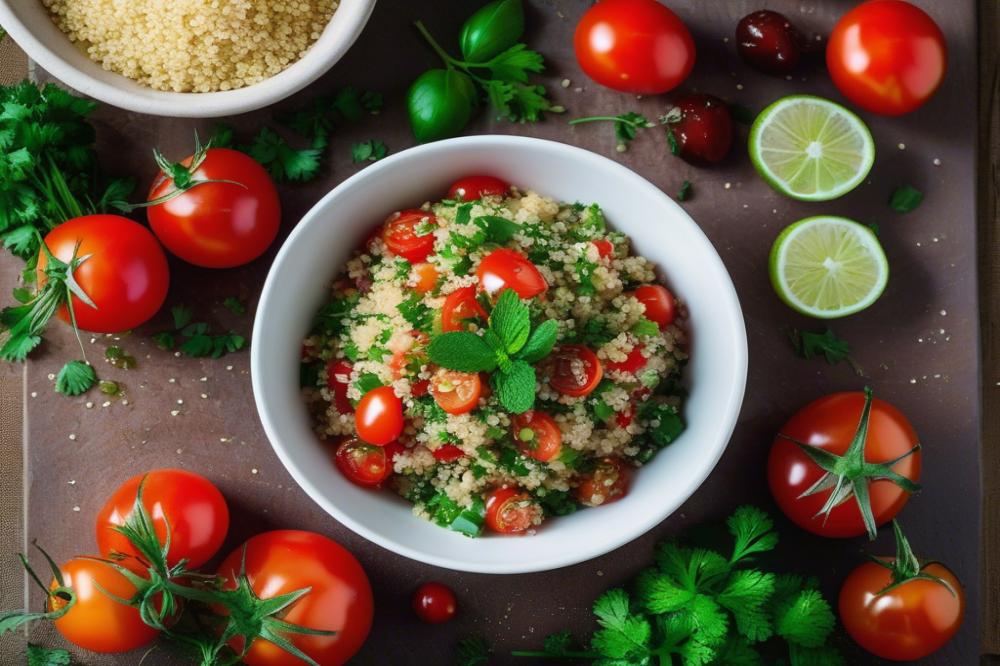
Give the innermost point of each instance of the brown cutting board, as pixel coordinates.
(918, 345)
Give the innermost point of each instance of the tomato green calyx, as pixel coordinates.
(848, 476)
(906, 567)
(65, 595)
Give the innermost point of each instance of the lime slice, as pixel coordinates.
(810, 148)
(828, 267)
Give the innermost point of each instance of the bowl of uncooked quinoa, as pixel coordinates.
(498, 354)
(186, 58)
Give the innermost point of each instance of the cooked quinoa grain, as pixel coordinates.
(193, 45)
(607, 396)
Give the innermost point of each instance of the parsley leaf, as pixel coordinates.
(235, 305)
(43, 656)
(626, 126)
(283, 162)
(809, 345)
(194, 339)
(75, 378)
(905, 198)
(371, 150)
(498, 230)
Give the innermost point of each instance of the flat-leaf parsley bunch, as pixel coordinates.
(507, 348)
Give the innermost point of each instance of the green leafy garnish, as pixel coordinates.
(473, 651)
(905, 198)
(283, 162)
(685, 192)
(75, 378)
(195, 339)
(626, 126)
(235, 305)
(826, 344)
(371, 150)
(43, 656)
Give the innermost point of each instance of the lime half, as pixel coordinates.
(828, 267)
(810, 148)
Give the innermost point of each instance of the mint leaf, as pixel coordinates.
(463, 351)
(905, 199)
(76, 377)
(498, 229)
(511, 321)
(516, 387)
(540, 342)
(43, 656)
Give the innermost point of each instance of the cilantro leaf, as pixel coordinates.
(745, 596)
(235, 305)
(462, 351)
(510, 321)
(626, 126)
(905, 198)
(806, 621)
(473, 651)
(182, 316)
(416, 313)
(516, 387)
(752, 530)
(816, 656)
(623, 635)
(515, 63)
(809, 345)
(498, 230)
(75, 378)
(540, 342)
(660, 594)
(283, 162)
(43, 656)
(371, 150)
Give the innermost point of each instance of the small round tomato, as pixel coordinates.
(700, 129)
(185, 503)
(456, 392)
(506, 269)
(510, 511)
(364, 464)
(607, 483)
(604, 248)
(338, 380)
(472, 188)
(633, 363)
(887, 56)
(401, 237)
(97, 622)
(448, 453)
(768, 41)
(216, 224)
(434, 603)
(830, 424)
(426, 277)
(339, 600)
(635, 46)
(379, 416)
(460, 306)
(661, 307)
(537, 435)
(573, 370)
(125, 273)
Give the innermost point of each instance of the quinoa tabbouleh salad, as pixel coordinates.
(495, 358)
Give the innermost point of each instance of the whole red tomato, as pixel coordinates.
(830, 424)
(125, 273)
(340, 599)
(190, 504)
(96, 622)
(887, 56)
(216, 224)
(636, 46)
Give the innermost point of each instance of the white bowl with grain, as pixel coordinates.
(660, 230)
(31, 25)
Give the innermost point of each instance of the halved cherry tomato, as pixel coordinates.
(338, 380)
(537, 435)
(506, 269)
(427, 277)
(456, 392)
(472, 188)
(448, 453)
(364, 464)
(434, 603)
(604, 248)
(573, 370)
(660, 305)
(634, 362)
(510, 511)
(459, 306)
(379, 417)
(97, 622)
(185, 505)
(400, 234)
(420, 387)
(607, 483)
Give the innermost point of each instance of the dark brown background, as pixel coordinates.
(932, 252)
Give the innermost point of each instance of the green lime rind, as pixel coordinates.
(782, 134)
(828, 267)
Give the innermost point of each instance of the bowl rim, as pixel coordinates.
(729, 408)
(320, 57)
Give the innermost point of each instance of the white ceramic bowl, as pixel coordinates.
(29, 24)
(318, 247)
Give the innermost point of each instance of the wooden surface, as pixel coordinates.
(924, 361)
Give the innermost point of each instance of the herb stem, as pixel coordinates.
(614, 119)
(542, 654)
(448, 60)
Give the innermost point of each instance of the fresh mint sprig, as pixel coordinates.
(507, 348)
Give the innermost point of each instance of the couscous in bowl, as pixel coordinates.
(658, 229)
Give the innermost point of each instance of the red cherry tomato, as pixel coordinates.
(97, 622)
(633, 363)
(427, 277)
(340, 599)
(604, 248)
(573, 370)
(456, 392)
(126, 274)
(607, 483)
(537, 435)
(701, 129)
(448, 453)
(830, 424)
(472, 188)
(217, 224)
(379, 416)
(434, 603)
(190, 504)
(364, 464)
(460, 306)
(887, 56)
(506, 269)
(768, 41)
(661, 307)
(909, 621)
(400, 234)
(338, 380)
(636, 46)
(510, 511)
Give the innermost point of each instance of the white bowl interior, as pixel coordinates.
(29, 23)
(298, 284)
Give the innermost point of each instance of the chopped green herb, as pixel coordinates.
(626, 126)
(686, 191)
(809, 345)
(905, 199)
(76, 377)
(371, 150)
(473, 651)
(43, 656)
(283, 162)
(235, 305)
(194, 339)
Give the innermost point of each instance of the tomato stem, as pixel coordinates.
(906, 566)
